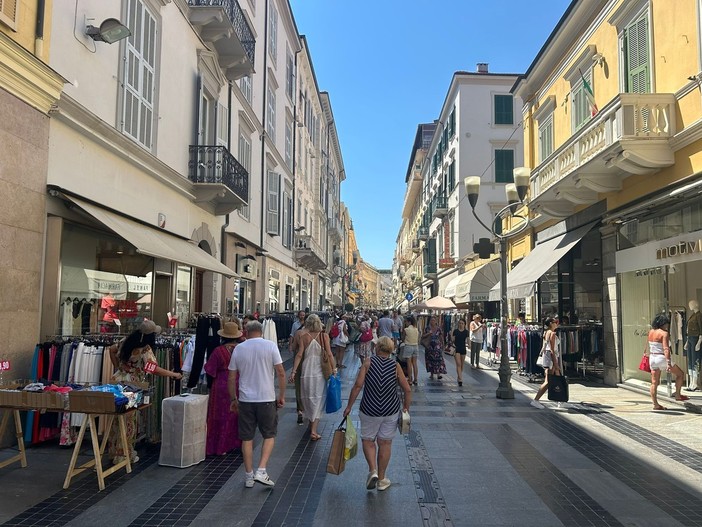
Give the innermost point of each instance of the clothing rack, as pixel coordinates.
(582, 343)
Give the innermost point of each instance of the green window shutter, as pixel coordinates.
(503, 109)
(638, 76)
(451, 176)
(546, 139)
(452, 122)
(504, 165)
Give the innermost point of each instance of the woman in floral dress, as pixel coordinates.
(433, 354)
(130, 357)
(222, 424)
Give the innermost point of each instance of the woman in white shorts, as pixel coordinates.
(659, 359)
(410, 348)
(380, 407)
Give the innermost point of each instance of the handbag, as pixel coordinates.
(645, 364)
(558, 388)
(426, 341)
(403, 422)
(336, 462)
(333, 394)
(451, 350)
(343, 337)
(367, 335)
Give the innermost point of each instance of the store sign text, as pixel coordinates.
(679, 249)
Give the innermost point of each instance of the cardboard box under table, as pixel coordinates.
(183, 430)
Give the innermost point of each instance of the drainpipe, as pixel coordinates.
(223, 241)
(294, 174)
(39, 31)
(263, 123)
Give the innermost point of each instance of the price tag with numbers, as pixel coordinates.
(4, 365)
(150, 367)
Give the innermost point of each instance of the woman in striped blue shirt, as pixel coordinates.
(380, 408)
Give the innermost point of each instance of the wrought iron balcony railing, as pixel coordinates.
(216, 165)
(238, 20)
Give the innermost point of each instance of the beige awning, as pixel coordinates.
(474, 286)
(151, 241)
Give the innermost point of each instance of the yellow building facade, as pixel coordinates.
(613, 137)
(28, 91)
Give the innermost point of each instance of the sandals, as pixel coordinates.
(315, 437)
(659, 407)
(682, 398)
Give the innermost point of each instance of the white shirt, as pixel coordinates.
(255, 360)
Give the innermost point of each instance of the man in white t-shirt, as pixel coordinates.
(258, 363)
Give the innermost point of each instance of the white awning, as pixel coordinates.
(474, 286)
(450, 290)
(153, 242)
(521, 281)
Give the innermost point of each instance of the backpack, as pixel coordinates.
(334, 331)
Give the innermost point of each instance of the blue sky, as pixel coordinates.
(387, 65)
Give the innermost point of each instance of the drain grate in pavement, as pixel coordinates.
(431, 502)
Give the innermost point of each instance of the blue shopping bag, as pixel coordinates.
(333, 394)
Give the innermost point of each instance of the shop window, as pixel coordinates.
(106, 285)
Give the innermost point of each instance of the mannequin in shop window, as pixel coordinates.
(694, 329)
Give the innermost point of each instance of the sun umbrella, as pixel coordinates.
(437, 302)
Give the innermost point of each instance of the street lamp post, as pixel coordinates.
(343, 273)
(516, 192)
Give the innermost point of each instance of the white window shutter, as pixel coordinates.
(8, 13)
(273, 205)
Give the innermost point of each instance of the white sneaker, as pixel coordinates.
(371, 480)
(383, 484)
(262, 477)
(249, 483)
(537, 404)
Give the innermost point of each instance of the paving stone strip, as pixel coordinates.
(431, 501)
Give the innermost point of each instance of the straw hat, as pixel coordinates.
(230, 331)
(148, 327)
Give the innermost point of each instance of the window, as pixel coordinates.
(273, 205)
(582, 111)
(636, 59)
(452, 123)
(245, 86)
(289, 75)
(245, 160)
(504, 109)
(139, 75)
(545, 138)
(452, 225)
(273, 32)
(288, 142)
(222, 125)
(270, 114)
(451, 177)
(287, 218)
(504, 165)
(8, 13)
(440, 239)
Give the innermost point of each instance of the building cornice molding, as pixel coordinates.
(28, 78)
(73, 114)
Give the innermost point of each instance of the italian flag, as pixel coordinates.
(590, 95)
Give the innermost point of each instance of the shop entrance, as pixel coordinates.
(162, 299)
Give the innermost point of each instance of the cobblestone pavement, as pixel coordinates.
(603, 459)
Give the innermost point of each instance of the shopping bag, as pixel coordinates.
(403, 422)
(558, 388)
(645, 364)
(336, 462)
(333, 394)
(350, 440)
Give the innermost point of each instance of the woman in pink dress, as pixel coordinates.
(222, 424)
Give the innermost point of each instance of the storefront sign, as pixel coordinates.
(5, 365)
(447, 263)
(679, 249)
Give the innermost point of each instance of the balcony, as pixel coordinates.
(309, 254)
(631, 135)
(416, 246)
(336, 231)
(423, 233)
(223, 26)
(218, 178)
(439, 207)
(429, 270)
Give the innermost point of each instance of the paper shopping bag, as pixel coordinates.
(336, 462)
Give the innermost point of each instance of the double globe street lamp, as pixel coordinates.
(516, 192)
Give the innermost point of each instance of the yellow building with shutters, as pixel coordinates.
(613, 138)
(28, 90)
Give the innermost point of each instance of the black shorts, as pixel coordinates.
(461, 351)
(263, 415)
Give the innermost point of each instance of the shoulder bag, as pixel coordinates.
(545, 359)
(645, 364)
(327, 367)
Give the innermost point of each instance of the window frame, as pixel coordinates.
(288, 142)
(273, 195)
(270, 111)
(246, 88)
(495, 114)
(272, 44)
